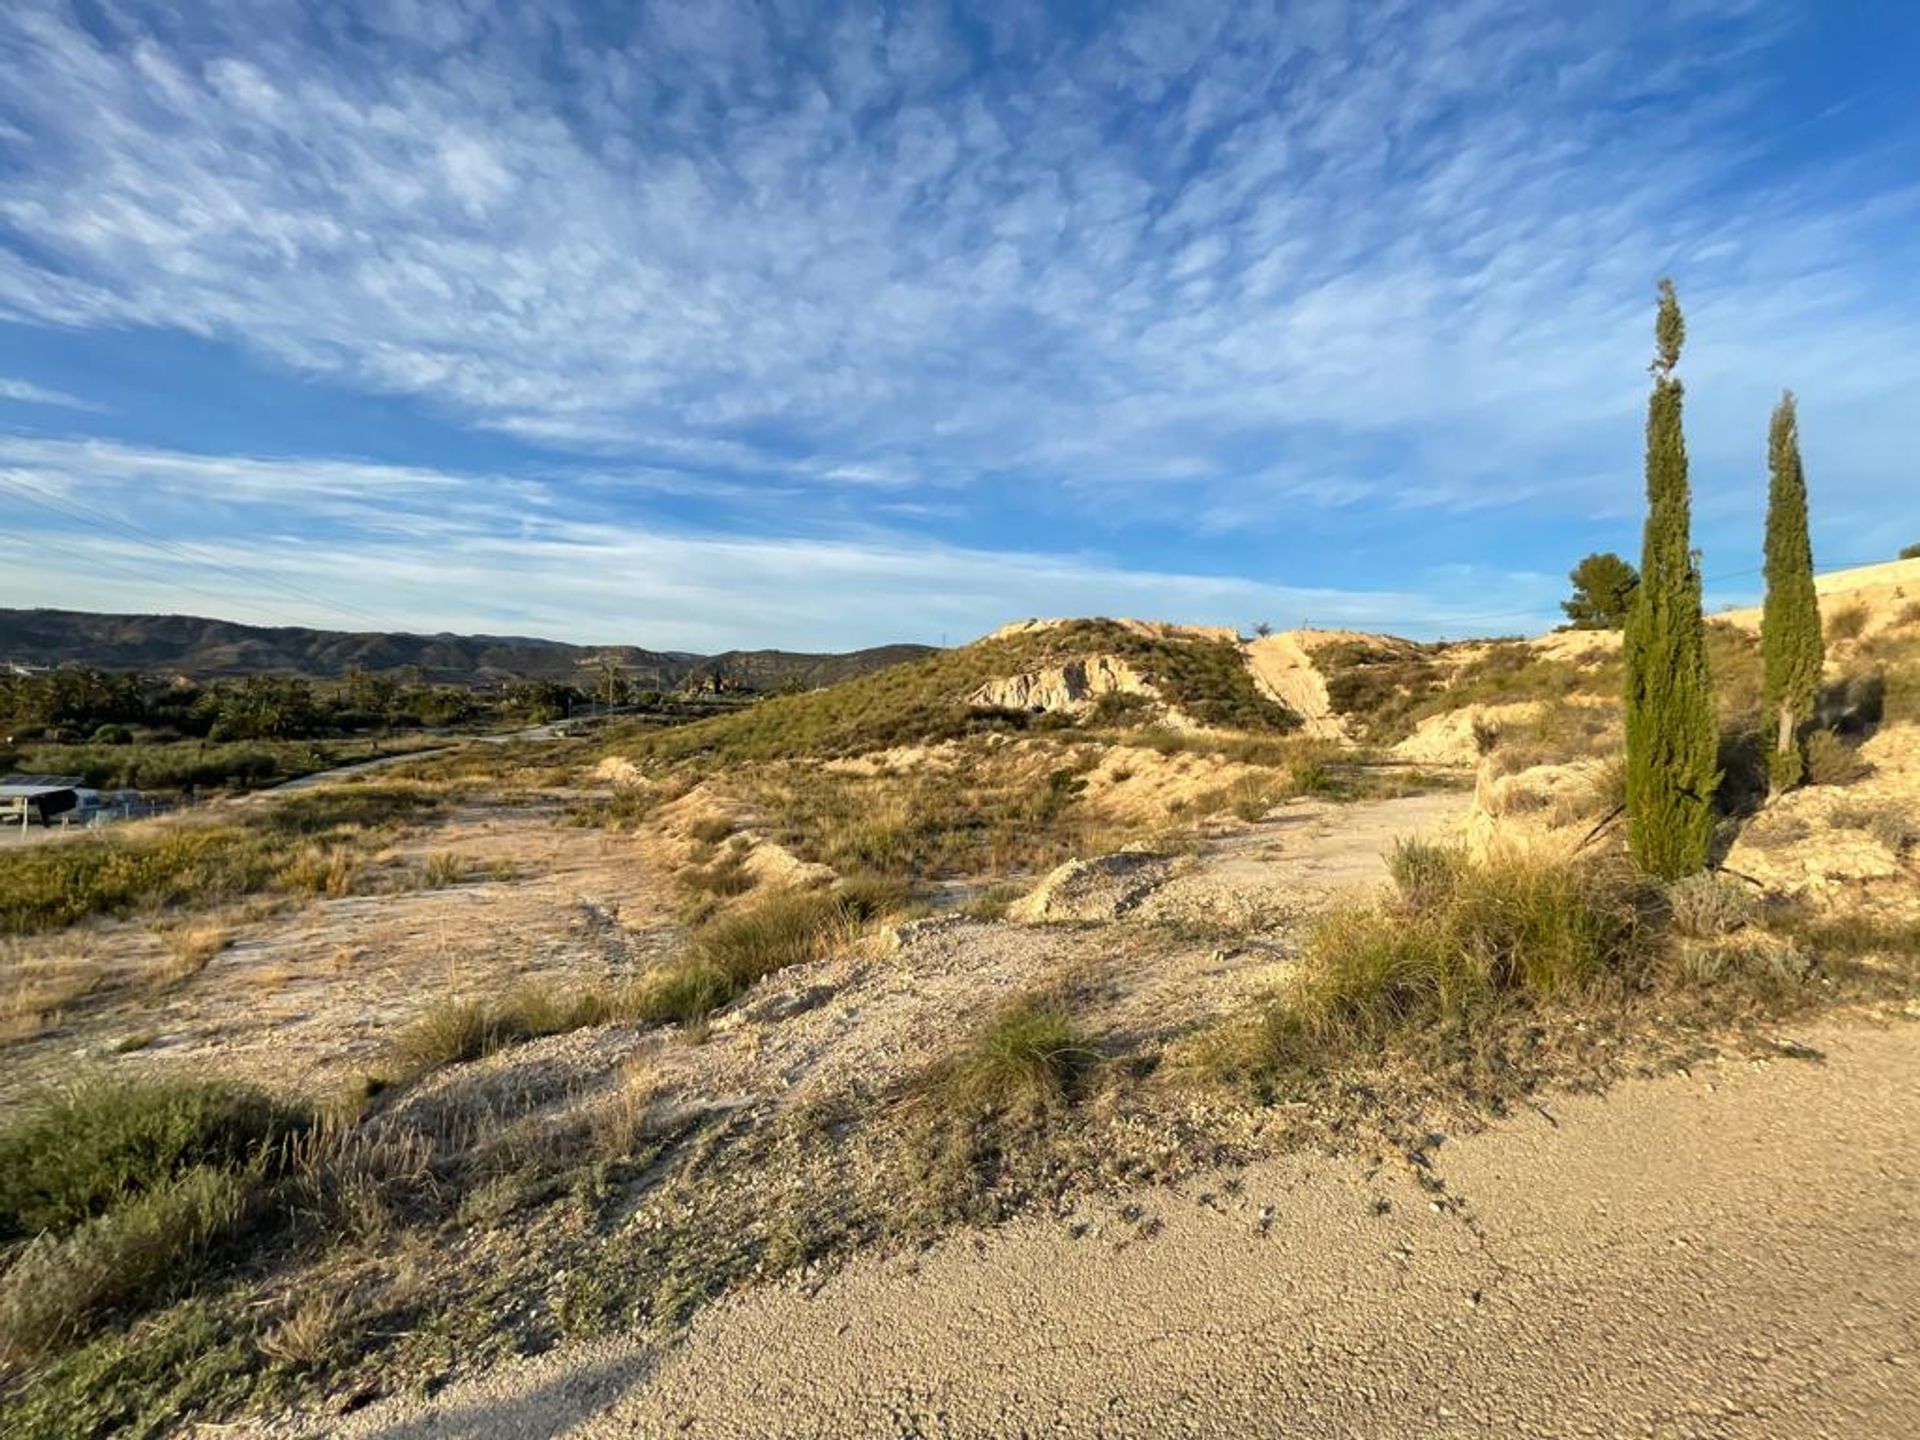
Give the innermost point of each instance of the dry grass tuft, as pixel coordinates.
(1846, 623)
(1832, 761)
(1455, 943)
(190, 949)
(311, 1331)
(1706, 907)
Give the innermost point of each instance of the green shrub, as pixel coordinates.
(77, 1153)
(128, 1189)
(1120, 710)
(61, 1288)
(47, 886)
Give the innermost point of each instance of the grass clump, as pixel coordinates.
(62, 1287)
(985, 1111)
(1024, 1061)
(457, 1030)
(727, 956)
(1456, 942)
(1707, 906)
(1846, 623)
(1832, 761)
(787, 929)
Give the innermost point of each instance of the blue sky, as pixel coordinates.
(700, 325)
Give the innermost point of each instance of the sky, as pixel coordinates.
(703, 324)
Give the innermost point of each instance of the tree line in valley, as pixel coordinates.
(76, 704)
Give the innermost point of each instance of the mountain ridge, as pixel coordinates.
(203, 647)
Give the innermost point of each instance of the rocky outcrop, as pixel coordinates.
(1461, 737)
(1151, 629)
(1073, 685)
(1103, 888)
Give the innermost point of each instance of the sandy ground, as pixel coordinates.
(307, 996)
(1727, 1253)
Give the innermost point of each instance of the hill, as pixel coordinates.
(206, 648)
(1103, 671)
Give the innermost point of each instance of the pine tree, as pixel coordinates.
(1603, 586)
(1672, 742)
(1790, 643)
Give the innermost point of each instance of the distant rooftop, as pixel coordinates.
(12, 787)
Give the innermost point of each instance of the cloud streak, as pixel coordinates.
(598, 581)
(25, 392)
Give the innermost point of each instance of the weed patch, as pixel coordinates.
(127, 1190)
(988, 1105)
(1453, 945)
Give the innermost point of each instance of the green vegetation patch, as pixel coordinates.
(994, 816)
(723, 959)
(986, 1110)
(78, 1152)
(124, 1191)
(303, 844)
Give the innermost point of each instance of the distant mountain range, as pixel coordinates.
(205, 649)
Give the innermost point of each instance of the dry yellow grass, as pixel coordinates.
(190, 949)
(310, 1330)
(37, 982)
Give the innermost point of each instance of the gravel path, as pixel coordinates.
(1729, 1253)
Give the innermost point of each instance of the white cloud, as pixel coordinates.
(1129, 260)
(27, 393)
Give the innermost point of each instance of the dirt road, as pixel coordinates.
(1728, 1253)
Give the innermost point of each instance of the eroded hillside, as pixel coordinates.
(528, 1044)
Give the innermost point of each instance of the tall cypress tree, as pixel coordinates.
(1672, 742)
(1790, 643)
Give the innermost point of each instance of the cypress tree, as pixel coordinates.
(1790, 644)
(1672, 740)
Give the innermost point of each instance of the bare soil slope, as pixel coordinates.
(1727, 1253)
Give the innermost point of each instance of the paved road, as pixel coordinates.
(1731, 1253)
